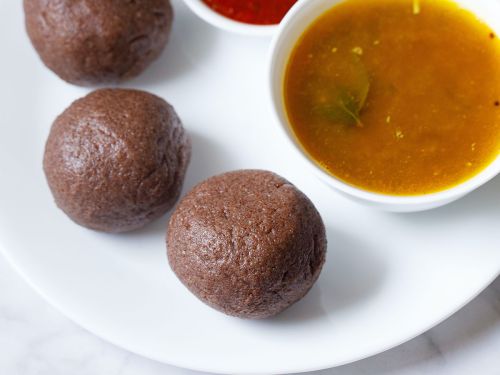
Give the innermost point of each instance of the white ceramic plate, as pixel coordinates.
(388, 277)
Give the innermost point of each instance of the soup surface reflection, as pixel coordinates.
(400, 97)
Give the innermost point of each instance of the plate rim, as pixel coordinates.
(218, 369)
(9, 253)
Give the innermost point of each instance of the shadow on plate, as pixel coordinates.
(351, 275)
(484, 202)
(206, 160)
(189, 47)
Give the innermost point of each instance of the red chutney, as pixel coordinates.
(257, 12)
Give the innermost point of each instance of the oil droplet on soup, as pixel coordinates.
(396, 98)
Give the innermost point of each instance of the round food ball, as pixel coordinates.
(248, 243)
(88, 42)
(116, 159)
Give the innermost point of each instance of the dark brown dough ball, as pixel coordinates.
(89, 42)
(116, 159)
(247, 243)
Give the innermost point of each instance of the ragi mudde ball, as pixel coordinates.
(88, 42)
(248, 243)
(116, 159)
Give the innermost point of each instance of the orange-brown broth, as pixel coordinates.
(431, 119)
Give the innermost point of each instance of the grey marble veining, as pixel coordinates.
(35, 339)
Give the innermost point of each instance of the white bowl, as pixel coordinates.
(209, 15)
(298, 19)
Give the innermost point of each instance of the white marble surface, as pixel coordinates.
(35, 339)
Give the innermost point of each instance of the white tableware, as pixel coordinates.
(388, 277)
(292, 27)
(206, 13)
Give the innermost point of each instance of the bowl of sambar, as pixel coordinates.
(395, 103)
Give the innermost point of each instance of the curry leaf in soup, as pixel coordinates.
(342, 90)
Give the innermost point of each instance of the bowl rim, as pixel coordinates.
(275, 86)
(209, 15)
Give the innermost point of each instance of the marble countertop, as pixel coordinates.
(35, 339)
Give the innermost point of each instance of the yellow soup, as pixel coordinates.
(399, 97)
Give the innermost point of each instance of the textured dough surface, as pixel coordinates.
(247, 243)
(116, 159)
(88, 42)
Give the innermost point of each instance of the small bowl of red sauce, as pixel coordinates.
(248, 17)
